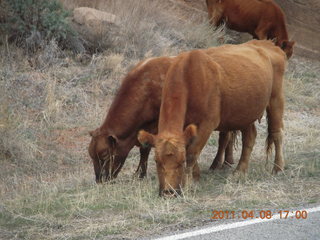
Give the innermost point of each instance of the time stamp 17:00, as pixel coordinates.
(259, 214)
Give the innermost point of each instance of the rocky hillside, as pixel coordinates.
(302, 17)
(303, 20)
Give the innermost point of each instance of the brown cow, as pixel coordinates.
(263, 19)
(136, 106)
(225, 88)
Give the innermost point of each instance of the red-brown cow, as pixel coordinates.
(136, 106)
(225, 89)
(263, 19)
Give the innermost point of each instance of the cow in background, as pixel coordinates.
(263, 19)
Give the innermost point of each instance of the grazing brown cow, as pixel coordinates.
(225, 88)
(136, 106)
(263, 19)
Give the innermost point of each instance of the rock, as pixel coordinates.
(97, 4)
(92, 17)
(94, 22)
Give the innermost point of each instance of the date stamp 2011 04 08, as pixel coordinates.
(259, 214)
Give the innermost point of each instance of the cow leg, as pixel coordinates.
(196, 171)
(275, 131)
(98, 170)
(215, 14)
(224, 138)
(103, 171)
(228, 157)
(193, 152)
(115, 167)
(143, 164)
(248, 139)
(192, 167)
(262, 30)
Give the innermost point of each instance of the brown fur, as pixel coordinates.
(263, 19)
(225, 89)
(135, 107)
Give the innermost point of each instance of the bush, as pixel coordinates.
(32, 22)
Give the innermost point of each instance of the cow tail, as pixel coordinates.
(269, 143)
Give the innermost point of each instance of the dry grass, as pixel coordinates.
(148, 28)
(47, 188)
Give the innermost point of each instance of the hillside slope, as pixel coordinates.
(303, 18)
(49, 102)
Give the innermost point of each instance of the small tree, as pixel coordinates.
(30, 22)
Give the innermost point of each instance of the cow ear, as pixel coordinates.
(112, 140)
(94, 133)
(287, 47)
(292, 43)
(146, 139)
(190, 133)
(287, 44)
(284, 44)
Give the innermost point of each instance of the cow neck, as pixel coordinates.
(173, 105)
(281, 30)
(283, 34)
(126, 113)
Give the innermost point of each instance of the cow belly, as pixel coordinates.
(243, 16)
(241, 107)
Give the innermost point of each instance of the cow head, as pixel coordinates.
(287, 47)
(170, 157)
(108, 154)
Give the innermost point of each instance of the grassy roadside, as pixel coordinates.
(47, 188)
(71, 206)
(59, 200)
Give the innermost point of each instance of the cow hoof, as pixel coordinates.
(238, 176)
(240, 173)
(142, 176)
(196, 177)
(170, 193)
(212, 168)
(227, 165)
(276, 170)
(242, 169)
(229, 161)
(216, 165)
